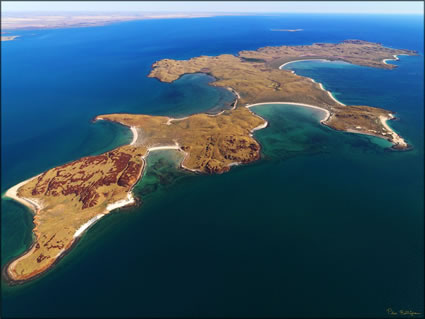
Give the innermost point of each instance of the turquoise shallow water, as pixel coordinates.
(327, 224)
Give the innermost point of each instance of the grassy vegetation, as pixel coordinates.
(73, 194)
(211, 142)
(352, 51)
(70, 195)
(258, 82)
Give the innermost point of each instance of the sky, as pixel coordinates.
(385, 7)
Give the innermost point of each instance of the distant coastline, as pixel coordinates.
(287, 30)
(9, 37)
(56, 20)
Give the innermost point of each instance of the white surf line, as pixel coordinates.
(328, 114)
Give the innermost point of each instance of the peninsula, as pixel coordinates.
(68, 199)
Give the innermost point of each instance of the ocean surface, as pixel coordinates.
(326, 224)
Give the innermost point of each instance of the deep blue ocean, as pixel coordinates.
(326, 224)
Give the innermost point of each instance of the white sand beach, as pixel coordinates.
(259, 127)
(329, 92)
(31, 203)
(135, 135)
(327, 113)
(162, 147)
(86, 225)
(170, 119)
(324, 60)
(395, 59)
(320, 84)
(397, 139)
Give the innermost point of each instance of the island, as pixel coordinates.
(68, 199)
(8, 37)
(287, 30)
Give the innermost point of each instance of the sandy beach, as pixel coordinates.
(397, 139)
(132, 128)
(395, 59)
(234, 92)
(171, 147)
(329, 93)
(260, 127)
(320, 84)
(86, 225)
(135, 135)
(170, 119)
(163, 147)
(281, 67)
(32, 204)
(327, 113)
(121, 203)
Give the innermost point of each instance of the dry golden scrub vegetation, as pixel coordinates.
(256, 77)
(71, 196)
(68, 197)
(352, 51)
(212, 143)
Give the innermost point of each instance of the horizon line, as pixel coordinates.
(203, 12)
